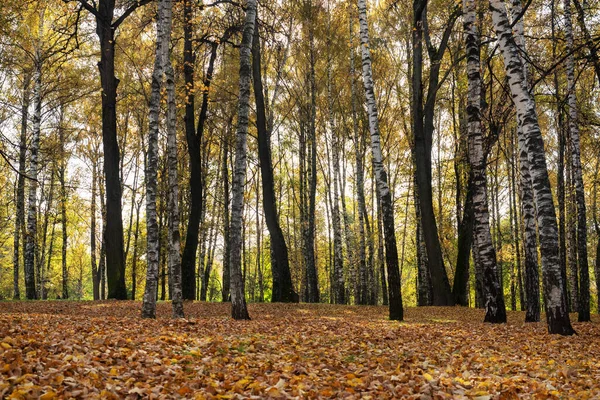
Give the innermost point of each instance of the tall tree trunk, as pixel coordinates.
(226, 220)
(339, 287)
(194, 139)
(584, 280)
(495, 310)
(391, 251)
(460, 287)
(557, 315)
(135, 251)
(63, 206)
(283, 290)
(31, 232)
(423, 131)
(174, 221)
(238, 300)
(528, 211)
(312, 283)
(115, 262)
(95, 280)
(152, 228)
(20, 206)
(102, 262)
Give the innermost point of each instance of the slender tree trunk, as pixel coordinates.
(465, 242)
(391, 250)
(495, 310)
(31, 232)
(339, 287)
(174, 221)
(152, 228)
(238, 300)
(63, 206)
(194, 139)
(528, 211)
(135, 251)
(556, 308)
(423, 131)
(283, 290)
(102, 262)
(584, 280)
(311, 267)
(95, 280)
(20, 206)
(226, 220)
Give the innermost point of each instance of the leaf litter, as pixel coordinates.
(52, 350)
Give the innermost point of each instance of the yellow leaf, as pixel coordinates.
(49, 395)
(113, 372)
(427, 377)
(5, 345)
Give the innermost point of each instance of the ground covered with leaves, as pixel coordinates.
(104, 350)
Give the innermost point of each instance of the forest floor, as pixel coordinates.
(64, 349)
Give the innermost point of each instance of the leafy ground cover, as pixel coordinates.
(104, 350)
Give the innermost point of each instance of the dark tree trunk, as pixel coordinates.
(423, 133)
(283, 290)
(20, 206)
(465, 241)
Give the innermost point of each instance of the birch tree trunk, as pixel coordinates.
(238, 300)
(532, 280)
(20, 206)
(152, 229)
(495, 310)
(584, 279)
(31, 232)
(339, 289)
(391, 250)
(557, 315)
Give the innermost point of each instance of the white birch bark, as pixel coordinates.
(152, 235)
(532, 280)
(556, 309)
(493, 296)
(173, 205)
(238, 300)
(31, 231)
(338, 256)
(391, 254)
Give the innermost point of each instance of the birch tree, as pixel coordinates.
(582, 256)
(532, 280)
(152, 234)
(557, 315)
(396, 311)
(238, 300)
(495, 310)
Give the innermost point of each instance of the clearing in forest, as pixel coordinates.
(104, 350)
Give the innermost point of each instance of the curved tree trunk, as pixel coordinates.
(557, 315)
(391, 250)
(238, 300)
(283, 290)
